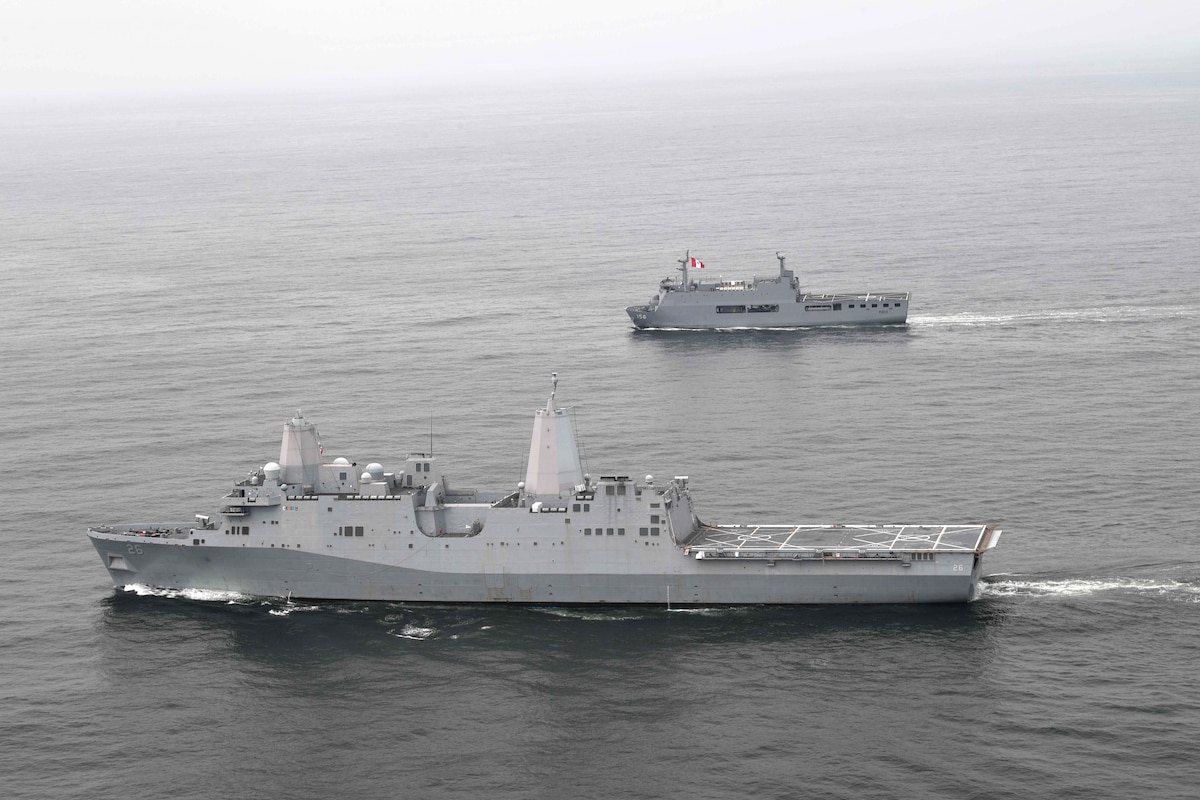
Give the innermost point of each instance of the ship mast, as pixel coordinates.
(683, 266)
(784, 274)
(553, 455)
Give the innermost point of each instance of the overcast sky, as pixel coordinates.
(53, 46)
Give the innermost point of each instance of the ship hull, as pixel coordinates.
(706, 311)
(177, 564)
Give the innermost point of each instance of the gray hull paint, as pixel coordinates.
(294, 573)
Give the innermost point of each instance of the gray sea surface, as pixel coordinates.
(179, 274)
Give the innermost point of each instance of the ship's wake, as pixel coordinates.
(582, 613)
(1016, 586)
(411, 631)
(1085, 315)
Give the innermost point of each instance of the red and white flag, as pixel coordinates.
(697, 263)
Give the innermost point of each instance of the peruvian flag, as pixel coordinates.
(697, 263)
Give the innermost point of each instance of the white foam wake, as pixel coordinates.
(204, 595)
(579, 612)
(1080, 587)
(1103, 314)
(291, 608)
(411, 631)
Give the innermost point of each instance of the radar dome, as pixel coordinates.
(375, 471)
(341, 462)
(271, 471)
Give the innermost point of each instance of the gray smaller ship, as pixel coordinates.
(777, 302)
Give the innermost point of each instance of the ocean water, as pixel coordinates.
(178, 275)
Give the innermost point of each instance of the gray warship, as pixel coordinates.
(776, 302)
(309, 527)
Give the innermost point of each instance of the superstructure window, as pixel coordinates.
(654, 519)
(575, 507)
(609, 532)
(587, 531)
(762, 309)
(731, 309)
(643, 531)
(654, 531)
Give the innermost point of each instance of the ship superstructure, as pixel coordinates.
(306, 528)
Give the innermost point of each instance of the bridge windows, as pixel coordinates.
(732, 309)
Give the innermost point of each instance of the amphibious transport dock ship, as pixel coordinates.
(307, 527)
(777, 302)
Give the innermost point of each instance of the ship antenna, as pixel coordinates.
(553, 383)
(431, 435)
